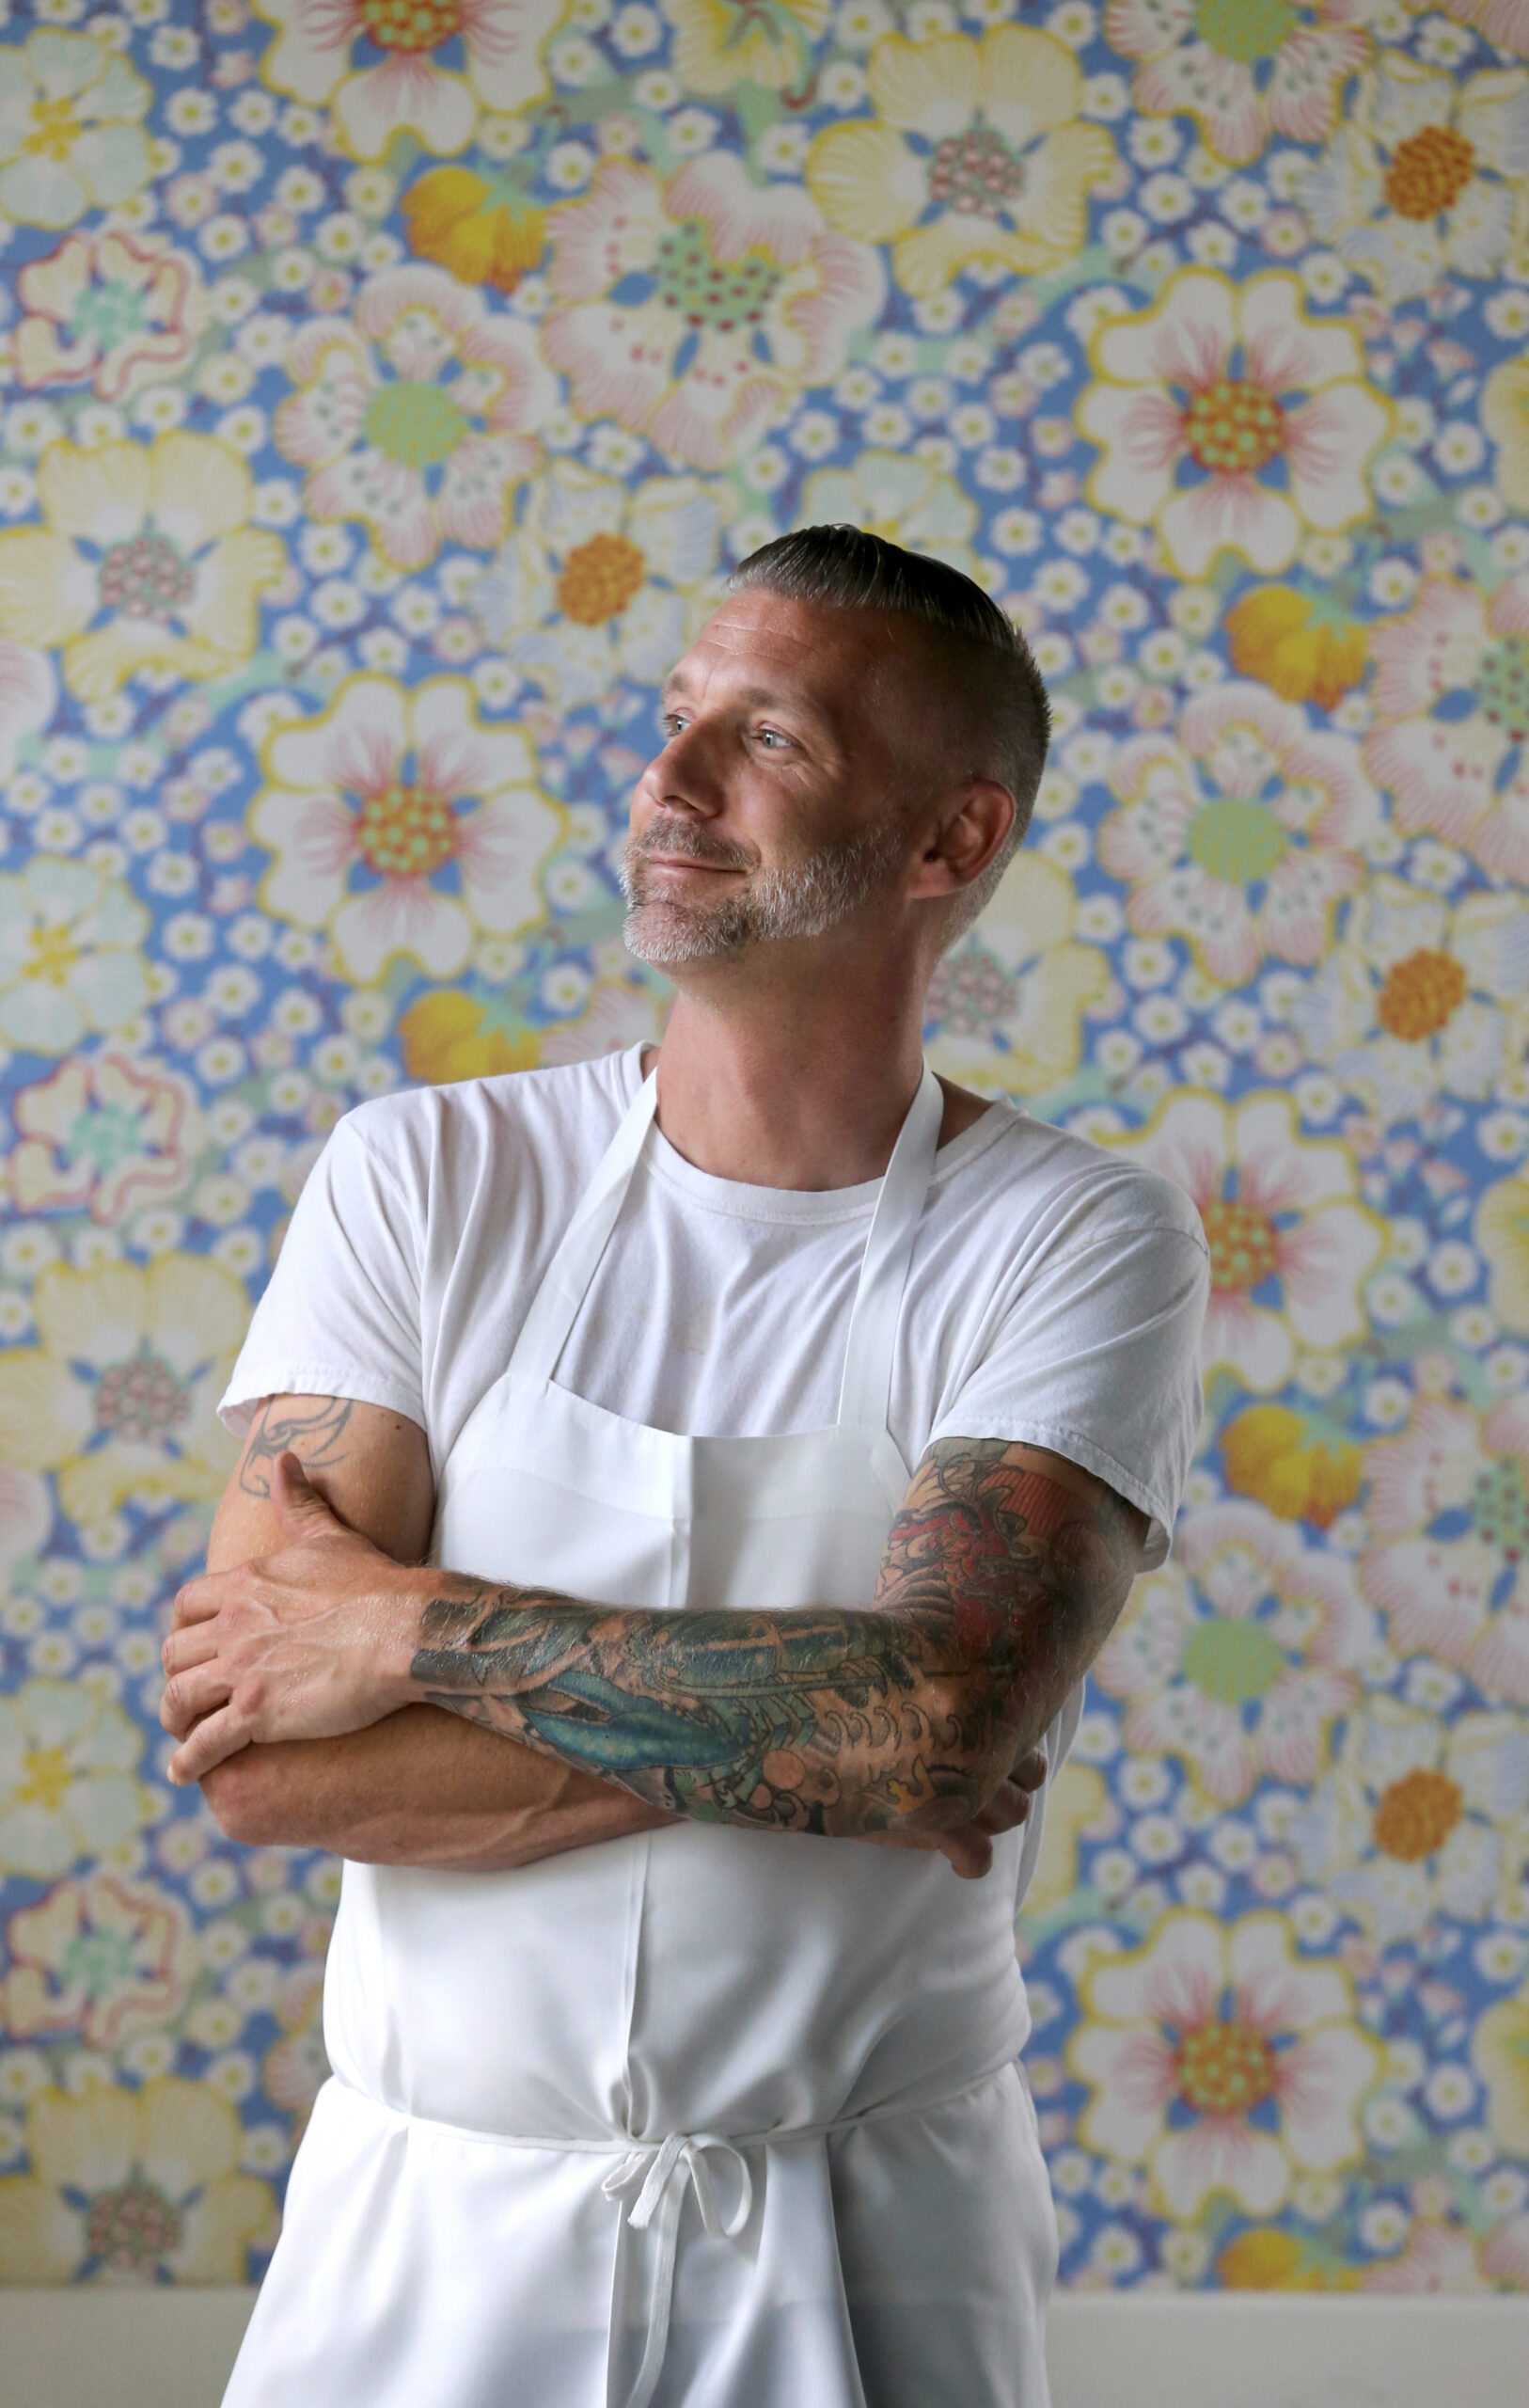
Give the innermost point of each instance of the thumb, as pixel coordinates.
(297, 1501)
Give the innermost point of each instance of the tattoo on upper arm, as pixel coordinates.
(314, 1432)
(820, 1718)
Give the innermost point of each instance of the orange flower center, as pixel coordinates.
(1233, 426)
(1241, 1243)
(1429, 171)
(55, 128)
(1416, 1814)
(1224, 2069)
(411, 24)
(1421, 995)
(599, 578)
(406, 832)
(133, 2228)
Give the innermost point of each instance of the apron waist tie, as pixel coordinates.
(664, 2171)
(666, 2167)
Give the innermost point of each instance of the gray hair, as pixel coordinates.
(983, 673)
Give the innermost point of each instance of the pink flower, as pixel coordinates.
(1208, 2026)
(1242, 836)
(1464, 775)
(1241, 81)
(114, 311)
(1289, 1243)
(1237, 1656)
(742, 299)
(1229, 419)
(108, 1131)
(402, 825)
(408, 88)
(414, 414)
(99, 1956)
(1449, 1506)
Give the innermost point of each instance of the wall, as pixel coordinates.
(387, 389)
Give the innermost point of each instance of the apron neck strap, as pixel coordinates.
(544, 1333)
(866, 1393)
(866, 1390)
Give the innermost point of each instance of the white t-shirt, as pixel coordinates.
(1055, 1292)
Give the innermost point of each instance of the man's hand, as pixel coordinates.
(971, 1849)
(305, 1644)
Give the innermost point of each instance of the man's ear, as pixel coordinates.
(974, 822)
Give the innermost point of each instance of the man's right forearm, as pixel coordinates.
(420, 1787)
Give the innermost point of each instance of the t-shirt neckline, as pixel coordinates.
(742, 1201)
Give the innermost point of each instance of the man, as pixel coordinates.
(671, 2060)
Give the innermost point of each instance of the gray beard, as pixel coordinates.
(806, 900)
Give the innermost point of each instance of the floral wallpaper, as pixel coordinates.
(388, 384)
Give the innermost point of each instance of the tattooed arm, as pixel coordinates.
(421, 1786)
(1004, 1573)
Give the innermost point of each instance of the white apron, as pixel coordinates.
(706, 2117)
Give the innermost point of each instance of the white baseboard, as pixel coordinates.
(173, 2349)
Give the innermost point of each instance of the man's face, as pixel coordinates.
(779, 805)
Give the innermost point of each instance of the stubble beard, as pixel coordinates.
(805, 900)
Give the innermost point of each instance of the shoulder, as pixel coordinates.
(427, 1138)
(1058, 1187)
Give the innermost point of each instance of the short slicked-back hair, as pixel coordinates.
(984, 677)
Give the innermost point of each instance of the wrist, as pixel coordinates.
(408, 1594)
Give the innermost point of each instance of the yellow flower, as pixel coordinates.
(1500, 2053)
(120, 1398)
(1502, 1232)
(1273, 1455)
(1505, 414)
(482, 233)
(1304, 649)
(69, 1784)
(146, 561)
(131, 2186)
(977, 155)
(1267, 2259)
(446, 1035)
(717, 44)
(1075, 1797)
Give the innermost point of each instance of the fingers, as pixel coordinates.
(1031, 1770)
(190, 1695)
(220, 1735)
(969, 1851)
(198, 1600)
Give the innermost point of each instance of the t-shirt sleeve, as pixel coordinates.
(341, 1316)
(1097, 1358)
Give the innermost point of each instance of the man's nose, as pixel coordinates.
(685, 775)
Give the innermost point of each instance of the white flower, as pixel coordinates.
(70, 963)
(403, 825)
(69, 1785)
(1205, 2030)
(409, 90)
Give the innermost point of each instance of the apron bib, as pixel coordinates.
(708, 2117)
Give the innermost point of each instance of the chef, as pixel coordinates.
(681, 1494)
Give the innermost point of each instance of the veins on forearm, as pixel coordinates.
(997, 1587)
(313, 1432)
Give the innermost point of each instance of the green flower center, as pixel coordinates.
(972, 991)
(975, 173)
(416, 425)
(144, 578)
(141, 1401)
(132, 2228)
(1499, 1507)
(1246, 30)
(406, 832)
(1503, 687)
(708, 292)
(1235, 840)
(98, 1962)
(105, 312)
(105, 1137)
(1232, 1662)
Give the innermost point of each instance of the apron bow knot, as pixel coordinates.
(679, 2159)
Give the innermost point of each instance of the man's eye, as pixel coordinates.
(671, 721)
(772, 738)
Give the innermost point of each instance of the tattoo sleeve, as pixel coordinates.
(998, 1586)
(315, 1432)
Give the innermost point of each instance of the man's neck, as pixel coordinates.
(794, 1094)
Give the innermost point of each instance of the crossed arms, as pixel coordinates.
(328, 1690)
